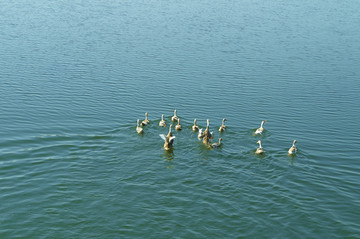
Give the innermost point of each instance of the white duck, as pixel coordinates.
(178, 126)
(210, 134)
(223, 126)
(162, 122)
(216, 145)
(259, 150)
(195, 127)
(174, 118)
(261, 129)
(292, 149)
(139, 129)
(207, 134)
(169, 139)
(145, 121)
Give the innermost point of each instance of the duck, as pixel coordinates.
(178, 126)
(292, 149)
(216, 145)
(207, 134)
(145, 121)
(210, 134)
(259, 150)
(223, 126)
(261, 129)
(169, 139)
(174, 118)
(162, 122)
(195, 127)
(139, 129)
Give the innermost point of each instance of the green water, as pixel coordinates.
(76, 75)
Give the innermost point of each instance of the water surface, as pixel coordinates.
(75, 77)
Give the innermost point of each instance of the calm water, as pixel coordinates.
(76, 75)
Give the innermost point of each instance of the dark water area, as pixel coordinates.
(75, 77)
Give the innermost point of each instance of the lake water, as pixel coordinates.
(76, 75)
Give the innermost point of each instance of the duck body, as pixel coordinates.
(261, 129)
(259, 150)
(145, 121)
(168, 144)
(174, 118)
(216, 145)
(292, 150)
(207, 134)
(178, 126)
(162, 122)
(169, 139)
(207, 137)
(195, 127)
(139, 129)
(223, 126)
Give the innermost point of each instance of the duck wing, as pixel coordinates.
(163, 136)
(171, 139)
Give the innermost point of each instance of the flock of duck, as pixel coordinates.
(204, 135)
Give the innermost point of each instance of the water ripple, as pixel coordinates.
(76, 76)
